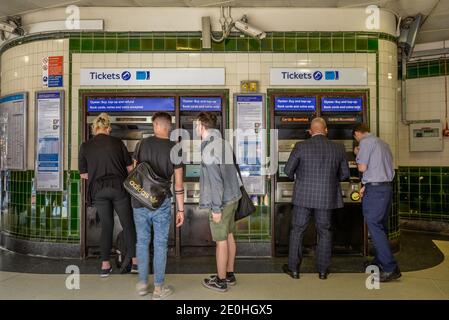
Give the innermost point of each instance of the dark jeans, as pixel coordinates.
(376, 207)
(107, 201)
(300, 222)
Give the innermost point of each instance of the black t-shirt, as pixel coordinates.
(156, 152)
(105, 159)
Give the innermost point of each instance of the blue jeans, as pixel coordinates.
(160, 221)
(376, 207)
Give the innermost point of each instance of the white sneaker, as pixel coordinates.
(142, 288)
(164, 292)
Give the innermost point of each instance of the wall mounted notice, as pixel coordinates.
(346, 104)
(200, 104)
(301, 104)
(13, 108)
(249, 140)
(130, 104)
(49, 140)
(52, 72)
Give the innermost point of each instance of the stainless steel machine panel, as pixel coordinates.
(191, 192)
(284, 192)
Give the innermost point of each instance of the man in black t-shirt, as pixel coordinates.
(156, 152)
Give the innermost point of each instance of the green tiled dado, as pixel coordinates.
(191, 41)
(41, 216)
(423, 193)
(429, 68)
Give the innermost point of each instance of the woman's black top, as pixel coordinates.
(104, 159)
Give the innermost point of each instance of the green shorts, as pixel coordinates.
(226, 225)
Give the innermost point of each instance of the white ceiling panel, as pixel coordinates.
(435, 28)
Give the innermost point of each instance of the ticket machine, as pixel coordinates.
(195, 237)
(342, 112)
(130, 118)
(291, 115)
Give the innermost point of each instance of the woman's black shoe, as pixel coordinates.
(105, 272)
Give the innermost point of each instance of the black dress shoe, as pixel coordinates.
(389, 276)
(323, 275)
(293, 274)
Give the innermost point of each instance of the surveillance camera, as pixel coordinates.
(251, 31)
(7, 27)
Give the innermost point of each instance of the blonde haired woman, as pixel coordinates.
(104, 162)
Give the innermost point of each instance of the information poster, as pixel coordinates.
(249, 140)
(13, 140)
(52, 71)
(49, 140)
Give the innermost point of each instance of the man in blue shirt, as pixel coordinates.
(375, 161)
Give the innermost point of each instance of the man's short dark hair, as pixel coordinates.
(208, 120)
(161, 115)
(361, 127)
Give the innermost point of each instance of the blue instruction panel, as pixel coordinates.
(130, 104)
(346, 104)
(303, 104)
(200, 104)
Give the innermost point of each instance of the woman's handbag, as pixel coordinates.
(146, 186)
(246, 206)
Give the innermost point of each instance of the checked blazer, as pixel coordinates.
(317, 165)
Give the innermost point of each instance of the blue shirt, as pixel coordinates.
(376, 155)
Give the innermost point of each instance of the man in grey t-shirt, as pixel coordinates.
(375, 161)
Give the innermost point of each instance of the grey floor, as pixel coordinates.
(424, 260)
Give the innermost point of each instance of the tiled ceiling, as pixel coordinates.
(435, 27)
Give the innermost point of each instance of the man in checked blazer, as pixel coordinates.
(317, 165)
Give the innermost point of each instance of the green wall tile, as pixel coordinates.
(314, 45)
(230, 44)
(325, 45)
(290, 45)
(75, 44)
(158, 44)
(182, 44)
(373, 44)
(122, 45)
(254, 45)
(242, 44)
(302, 45)
(195, 43)
(278, 44)
(134, 44)
(412, 73)
(111, 45)
(362, 44)
(87, 45)
(423, 71)
(99, 45)
(146, 44)
(337, 45)
(349, 44)
(267, 44)
(218, 46)
(170, 44)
